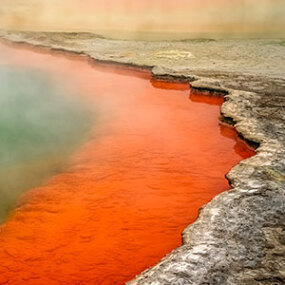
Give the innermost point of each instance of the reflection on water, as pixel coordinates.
(152, 160)
(39, 126)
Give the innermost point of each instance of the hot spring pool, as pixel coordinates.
(114, 183)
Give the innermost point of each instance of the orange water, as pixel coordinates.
(153, 158)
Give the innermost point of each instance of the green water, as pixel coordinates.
(41, 124)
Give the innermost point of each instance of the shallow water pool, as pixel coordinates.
(153, 156)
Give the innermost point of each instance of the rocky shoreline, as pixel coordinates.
(239, 237)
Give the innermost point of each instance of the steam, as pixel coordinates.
(39, 126)
(184, 16)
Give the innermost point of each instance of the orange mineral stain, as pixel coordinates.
(153, 158)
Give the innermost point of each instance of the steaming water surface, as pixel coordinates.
(40, 125)
(153, 157)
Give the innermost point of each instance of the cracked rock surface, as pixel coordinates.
(239, 237)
